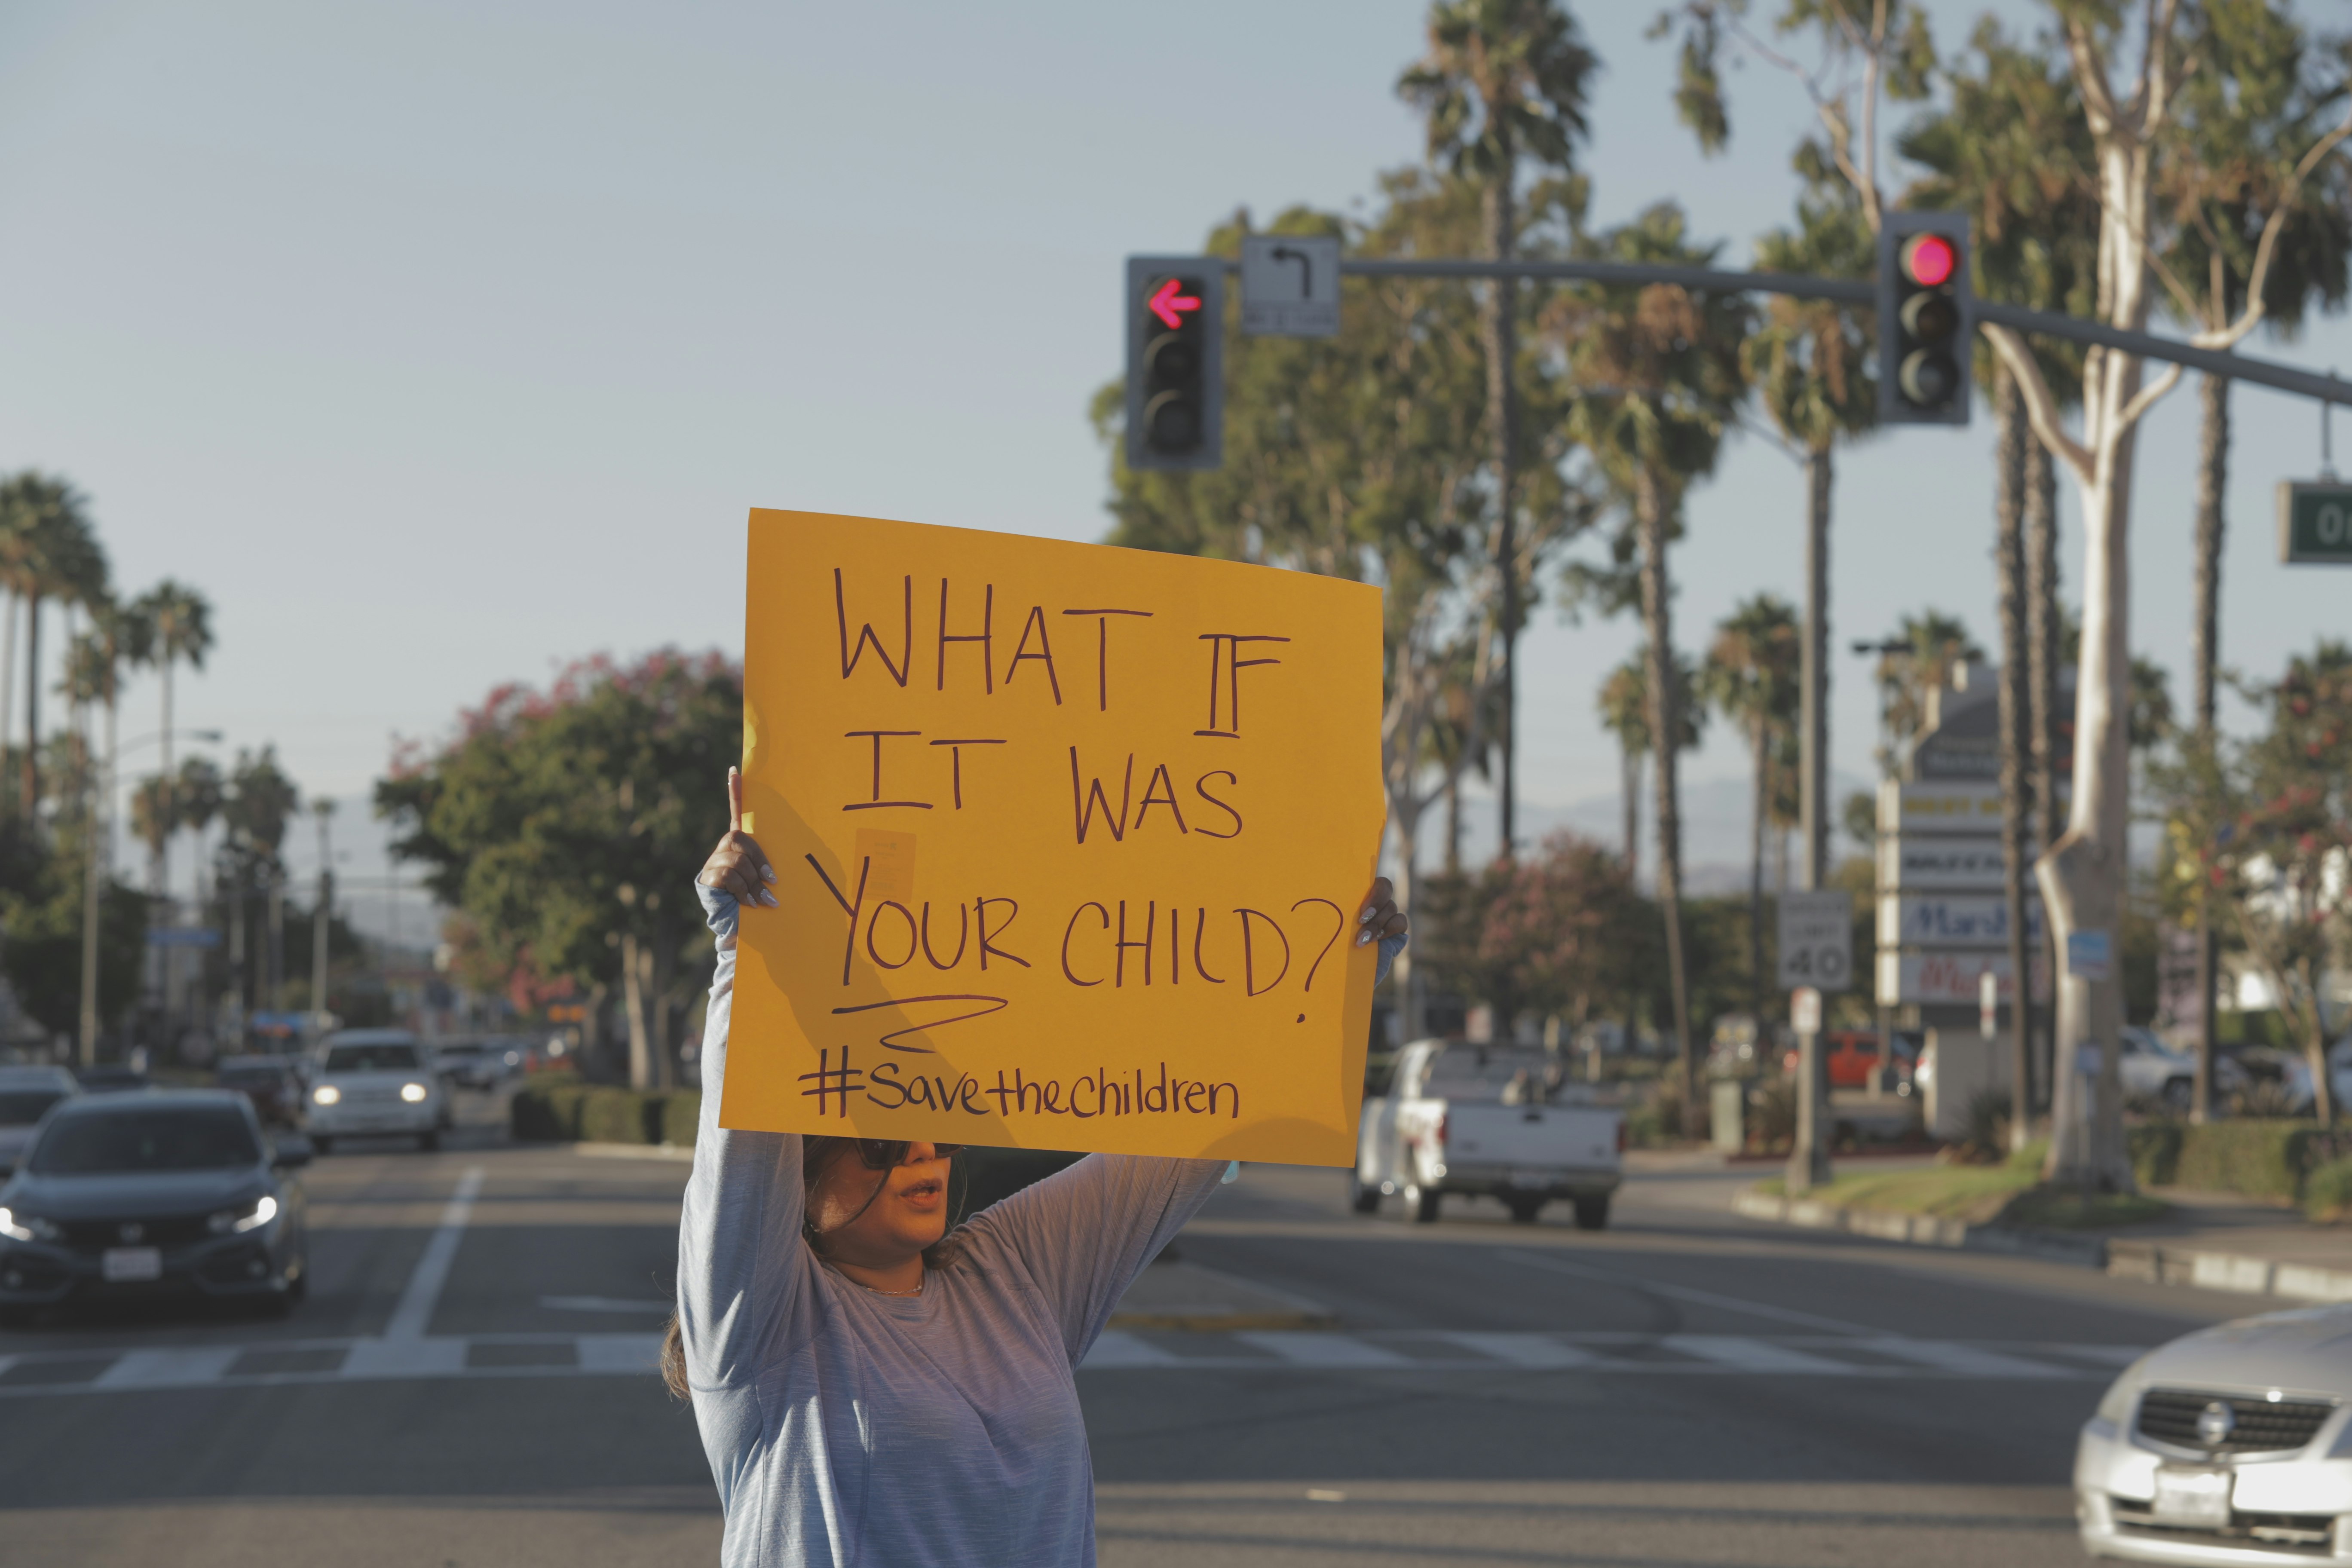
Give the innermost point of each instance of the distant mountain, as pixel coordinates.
(1714, 830)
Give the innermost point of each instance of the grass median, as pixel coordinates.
(2011, 1192)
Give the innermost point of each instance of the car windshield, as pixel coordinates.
(191, 1138)
(23, 1107)
(1480, 1072)
(371, 1058)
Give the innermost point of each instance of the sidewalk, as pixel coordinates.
(2214, 1241)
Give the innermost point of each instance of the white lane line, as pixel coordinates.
(1117, 1348)
(1969, 1361)
(1686, 1293)
(1754, 1355)
(423, 1288)
(414, 1357)
(601, 1304)
(179, 1367)
(1302, 1348)
(1533, 1350)
(619, 1352)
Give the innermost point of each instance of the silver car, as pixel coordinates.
(2230, 1446)
(25, 1095)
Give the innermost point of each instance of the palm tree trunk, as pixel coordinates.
(1665, 727)
(635, 963)
(1813, 740)
(2042, 653)
(8, 674)
(1755, 871)
(32, 707)
(1502, 403)
(1454, 823)
(1629, 775)
(2205, 637)
(2016, 742)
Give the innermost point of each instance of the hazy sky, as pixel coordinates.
(442, 343)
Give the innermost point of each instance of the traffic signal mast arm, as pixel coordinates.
(1857, 292)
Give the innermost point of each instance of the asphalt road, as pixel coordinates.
(468, 1384)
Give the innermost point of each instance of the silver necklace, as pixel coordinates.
(916, 1291)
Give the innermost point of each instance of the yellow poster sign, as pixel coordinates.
(1069, 843)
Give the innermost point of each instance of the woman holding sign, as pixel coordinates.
(871, 1388)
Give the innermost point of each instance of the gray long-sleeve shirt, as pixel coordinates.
(850, 1428)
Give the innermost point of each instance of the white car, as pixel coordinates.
(2232, 1445)
(377, 1082)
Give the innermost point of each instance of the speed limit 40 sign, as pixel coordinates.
(1816, 941)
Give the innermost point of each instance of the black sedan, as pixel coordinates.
(154, 1193)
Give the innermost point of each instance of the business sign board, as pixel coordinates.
(2090, 955)
(1961, 864)
(1951, 920)
(1816, 933)
(2316, 523)
(1949, 979)
(1938, 805)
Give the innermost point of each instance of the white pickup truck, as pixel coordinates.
(1486, 1121)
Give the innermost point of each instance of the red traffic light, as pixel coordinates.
(1927, 259)
(1171, 298)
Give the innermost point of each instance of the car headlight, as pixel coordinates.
(326, 1094)
(252, 1217)
(18, 1226)
(413, 1093)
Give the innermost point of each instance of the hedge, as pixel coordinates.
(568, 1112)
(2327, 1191)
(2262, 1159)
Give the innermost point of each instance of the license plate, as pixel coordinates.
(1531, 1178)
(2193, 1496)
(125, 1263)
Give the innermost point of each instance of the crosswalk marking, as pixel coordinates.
(269, 1363)
(1755, 1355)
(1324, 1351)
(1536, 1351)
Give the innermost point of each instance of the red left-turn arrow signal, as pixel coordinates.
(1168, 299)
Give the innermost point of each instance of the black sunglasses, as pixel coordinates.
(887, 1153)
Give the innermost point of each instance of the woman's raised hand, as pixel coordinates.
(739, 867)
(1380, 919)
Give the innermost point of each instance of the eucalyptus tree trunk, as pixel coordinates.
(1813, 719)
(2042, 656)
(2016, 742)
(636, 973)
(1502, 401)
(2205, 640)
(1665, 726)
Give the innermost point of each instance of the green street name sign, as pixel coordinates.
(2316, 523)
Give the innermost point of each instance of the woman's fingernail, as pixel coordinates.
(1366, 918)
(769, 872)
(1363, 937)
(767, 898)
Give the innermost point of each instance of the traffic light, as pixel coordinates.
(1175, 361)
(1924, 319)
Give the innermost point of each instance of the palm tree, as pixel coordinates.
(1810, 362)
(1503, 81)
(1624, 704)
(182, 623)
(1663, 366)
(1751, 678)
(2251, 176)
(1933, 642)
(117, 637)
(51, 552)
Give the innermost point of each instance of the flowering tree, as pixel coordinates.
(563, 823)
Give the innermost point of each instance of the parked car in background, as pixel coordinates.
(27, 1093)
(2232, 1445)
(377, 1082)
(481, 1063)
(1490, 1121)
(1852, 1056)
(2152, 1069)
(165, 1192)
(270, 1082)
(111, 1078)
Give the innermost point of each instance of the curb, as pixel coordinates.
(2148, 1261)
(1927, 1230)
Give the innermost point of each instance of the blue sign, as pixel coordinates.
(2090, 956)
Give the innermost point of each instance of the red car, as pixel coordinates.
(1852, 1056)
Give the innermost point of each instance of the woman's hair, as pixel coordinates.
(816, 1154)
